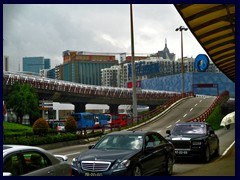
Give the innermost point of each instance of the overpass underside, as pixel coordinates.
(65, 97)
(91, 99)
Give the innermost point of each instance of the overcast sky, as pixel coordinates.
(48, 30)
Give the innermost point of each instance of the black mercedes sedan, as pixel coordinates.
(127, 153)
(194, 139)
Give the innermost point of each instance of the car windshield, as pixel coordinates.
(129, 142)
(189, 129)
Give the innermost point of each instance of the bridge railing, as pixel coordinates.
(160, 109)
(150, 114)
(223, 97)
(38, 82)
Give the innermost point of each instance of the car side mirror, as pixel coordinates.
(90, 146)
(211, 132)
(168, 132)
(61, 157)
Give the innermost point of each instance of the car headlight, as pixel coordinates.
(196, 143)
(75, 162)
(121, 164)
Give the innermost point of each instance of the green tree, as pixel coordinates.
(23, 100)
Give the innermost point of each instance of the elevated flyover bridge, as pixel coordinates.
(82, 94)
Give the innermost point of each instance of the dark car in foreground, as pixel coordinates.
(127, 153)
(194, 139)
(20, 160)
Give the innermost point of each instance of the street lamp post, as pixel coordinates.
(181, 28)
(134, 94)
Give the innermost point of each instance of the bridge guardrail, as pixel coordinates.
(223, 97)
(149, 115)
(38, 82)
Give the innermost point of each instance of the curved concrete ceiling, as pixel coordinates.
(213, 25)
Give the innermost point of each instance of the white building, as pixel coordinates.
(111, 76)
(119, 76)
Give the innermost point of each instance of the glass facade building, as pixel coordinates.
(84, 72)
(35, 64)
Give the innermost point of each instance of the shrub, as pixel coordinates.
(39, 140)
(70, 125)
(40, 127)
(215, 118)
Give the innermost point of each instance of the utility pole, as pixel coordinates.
(134, 94)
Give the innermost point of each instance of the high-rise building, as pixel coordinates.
(51, 73)
(35, 64)
(152, 67)
(156, 65)
(85, 68)
(111, 76)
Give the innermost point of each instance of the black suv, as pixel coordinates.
(194, 139)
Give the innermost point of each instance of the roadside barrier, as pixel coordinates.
(223, 97)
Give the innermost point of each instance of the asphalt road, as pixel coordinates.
(185, 110)
(222, 166)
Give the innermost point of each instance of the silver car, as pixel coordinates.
(20, 160)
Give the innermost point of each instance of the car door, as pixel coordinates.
(163, 151)
(38, 164)
(152, 155)
(213, 139)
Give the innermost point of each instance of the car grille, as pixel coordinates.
(182, 144)
(95, 165)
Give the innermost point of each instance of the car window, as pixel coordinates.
(189, 129)
(35, 161)
(153, 140)
(120, 142)
(14, 165)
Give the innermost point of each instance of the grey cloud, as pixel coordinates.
(48, 30)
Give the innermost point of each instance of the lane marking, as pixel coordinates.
(178, 120)
(191, 109)
(168, 127)
(185, 115)
(229, 147)
(196, 104)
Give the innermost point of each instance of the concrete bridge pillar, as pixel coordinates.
(80, 107)
(113, 108)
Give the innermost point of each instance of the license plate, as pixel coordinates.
(93, 174)
(181, 152)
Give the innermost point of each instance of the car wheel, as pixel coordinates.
(217, 152)
(169, 167)
(207, 154)
(137, 171)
